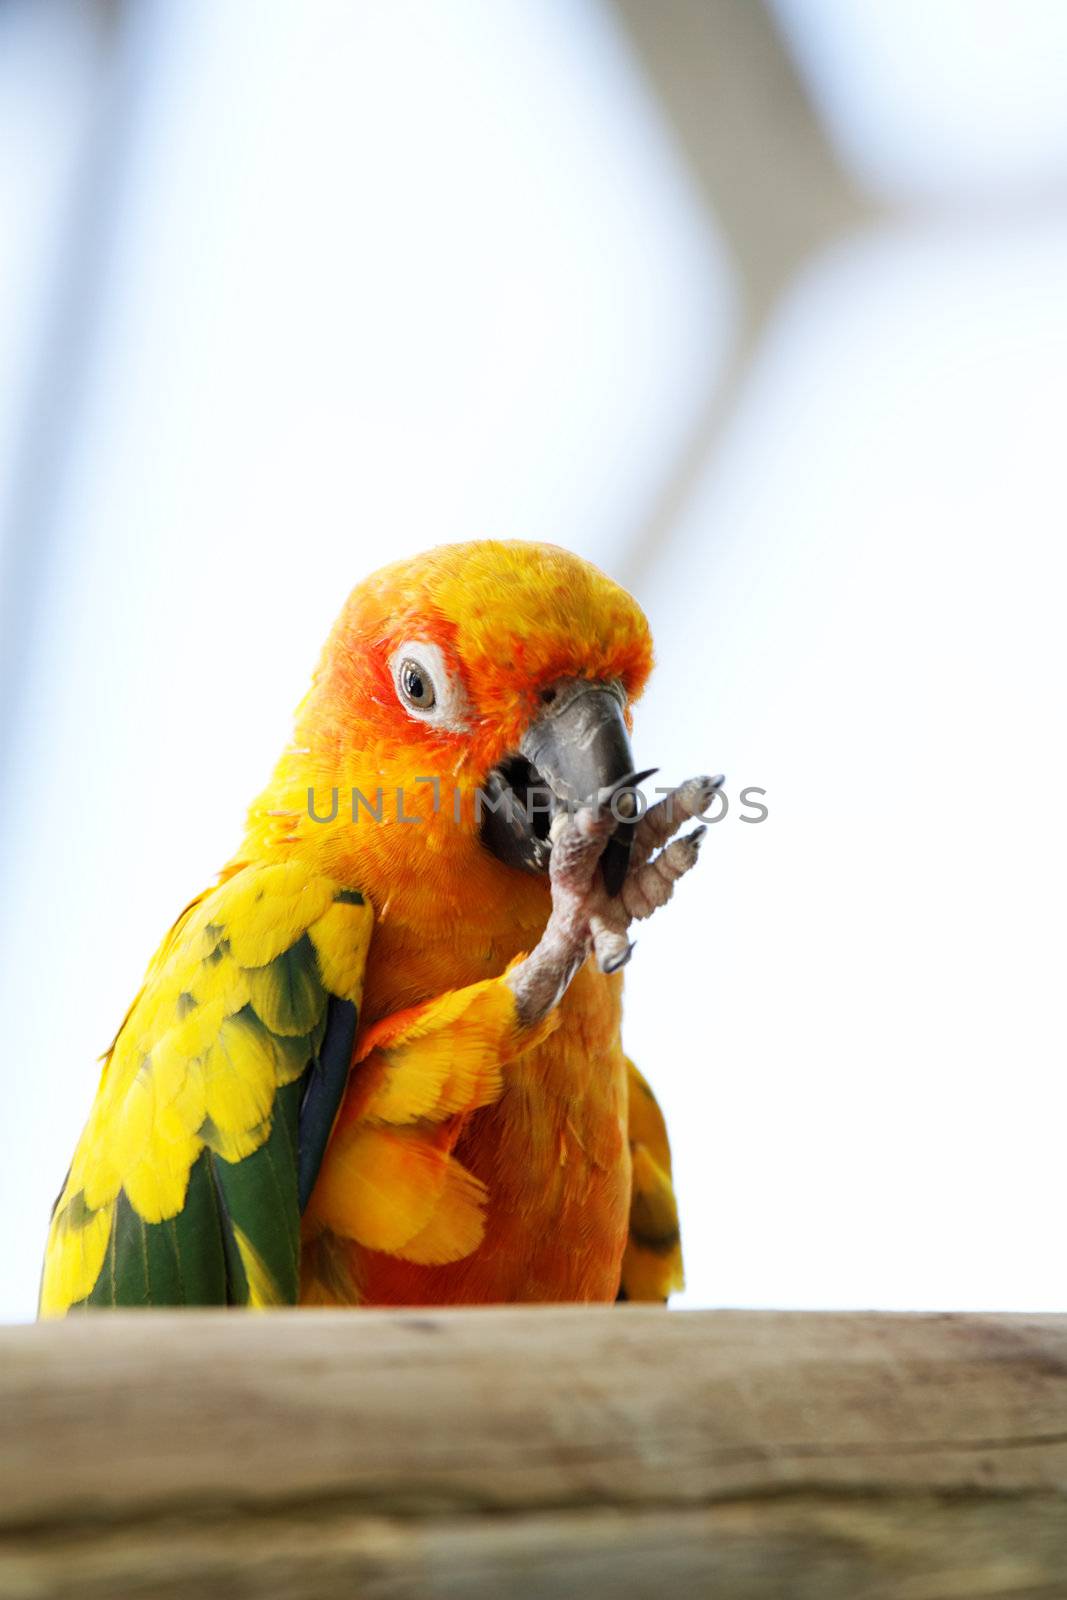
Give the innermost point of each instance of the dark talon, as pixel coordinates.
(620, 961)
(615, 861)
(630, 780)
(636, 779)
(697, 834)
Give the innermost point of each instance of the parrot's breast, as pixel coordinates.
(552, 1152)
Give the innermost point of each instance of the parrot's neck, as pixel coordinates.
(447, 912)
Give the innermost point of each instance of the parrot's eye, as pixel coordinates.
(428, 685)
(416, 687)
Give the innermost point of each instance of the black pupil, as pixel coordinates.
(413, 684)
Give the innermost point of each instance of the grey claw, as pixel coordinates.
(620, 961)
(631, 780)
(696, 836)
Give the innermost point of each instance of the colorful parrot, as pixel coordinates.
(379, 1062)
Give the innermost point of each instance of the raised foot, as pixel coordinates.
(584, 915)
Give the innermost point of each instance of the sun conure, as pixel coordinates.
(379, 1061)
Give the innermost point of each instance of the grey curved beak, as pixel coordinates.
(579, 744)
(576, 748)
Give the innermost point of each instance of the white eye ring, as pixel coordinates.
(426, 688)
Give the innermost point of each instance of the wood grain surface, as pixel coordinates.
(534, 1451)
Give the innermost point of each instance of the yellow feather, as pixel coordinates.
(262, 1289)
(94, 1168)
(450, 1062)
(197, 1031)
(380, 1185)
(653, 1209)
(75, 1256)
(235, 1146)
(457, 1222)
(341, 937)
(645, 1119)
(239, 1075)
(219, 988)
(267, 910)
(646, 1276)
(156, 1184)
(183, 1098)
(652, 1263)
(130, 1126)
(451, 1059)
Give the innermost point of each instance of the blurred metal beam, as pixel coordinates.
(52, 410)
(765, 170)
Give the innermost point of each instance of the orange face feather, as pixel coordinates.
(509, 619)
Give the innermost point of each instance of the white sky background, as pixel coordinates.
(382, 276)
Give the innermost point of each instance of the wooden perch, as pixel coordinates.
(505, 1454)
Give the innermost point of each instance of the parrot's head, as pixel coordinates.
(501, 670)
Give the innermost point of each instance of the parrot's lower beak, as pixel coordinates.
(576, 748)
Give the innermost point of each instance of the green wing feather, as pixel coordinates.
(215, 1103)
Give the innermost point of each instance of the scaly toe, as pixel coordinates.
(695, 795)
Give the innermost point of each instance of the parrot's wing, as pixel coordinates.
(392, 1183)
(216, 1102)
(652, 1264)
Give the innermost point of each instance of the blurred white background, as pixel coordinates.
(764, 311)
